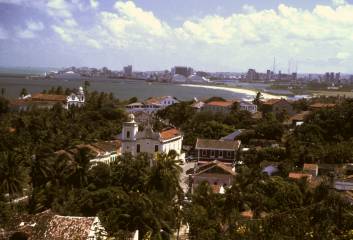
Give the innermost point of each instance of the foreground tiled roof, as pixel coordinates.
(216, 144)
(48, 226)
(169, 134)
(66, 227)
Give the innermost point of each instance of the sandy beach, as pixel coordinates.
(250, 93)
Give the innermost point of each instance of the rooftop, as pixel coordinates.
(169, 134)
(220, 103)
(273, 101)
(217, 144)
(47, 225)
(48, 97)
(322, 105)
(295, 175)
(207, 166)
(310, 166)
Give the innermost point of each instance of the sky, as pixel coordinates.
(212, 35)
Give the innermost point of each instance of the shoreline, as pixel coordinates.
(249, 92)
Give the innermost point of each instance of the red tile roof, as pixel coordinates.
(48, 97)
(247, 214)
(310, 166)
(220, 103)
(273, 101)
(295, 175)
(169, 134)
(322, 105)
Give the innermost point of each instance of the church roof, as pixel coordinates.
(169, 134)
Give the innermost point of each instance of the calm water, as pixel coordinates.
(122, 89)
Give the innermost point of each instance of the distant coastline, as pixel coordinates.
(249, 92)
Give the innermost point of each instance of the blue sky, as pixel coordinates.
(213, 35)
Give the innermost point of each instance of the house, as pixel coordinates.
(217, 174)
(50, 226)
(277, 106)
(312, 169)
(318, 106)
(297, 119)
(247, 106)
(298, 176)
(77, 100)
(218, 106)
(102, 152)
(43, 100)
(151, 104)
(344, 184)
(149, 141)
(198, 105)
(208, 150)
(39, 100)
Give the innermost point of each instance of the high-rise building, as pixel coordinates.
(128, 71)
(251, 75)
(181, 71)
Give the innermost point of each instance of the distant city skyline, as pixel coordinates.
(215, 36)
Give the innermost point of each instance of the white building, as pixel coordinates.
(148, 141)
(77, 100)
(152, 104)
(248, 106)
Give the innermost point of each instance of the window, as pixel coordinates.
(220, 154)
(128, 134)
(138, 148)
(212, 153)
(229, 154)
(156, 148)
(204, 153)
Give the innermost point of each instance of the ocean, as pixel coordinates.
(14, 79)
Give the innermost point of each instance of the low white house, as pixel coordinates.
(152, 104)
(77, 100)
(248, 106)
(147, 141)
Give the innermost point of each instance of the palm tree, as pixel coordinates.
(81, 166)
(12, 175)
(165, 175)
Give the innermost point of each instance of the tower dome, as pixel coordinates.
(131, 117)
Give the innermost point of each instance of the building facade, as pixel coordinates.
(152, 104)
(208, 150)
(148, 141)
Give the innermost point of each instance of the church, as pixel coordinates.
(148, 141)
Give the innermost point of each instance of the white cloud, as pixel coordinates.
(3, 33)
(247, 39)
(338, 2)
(35, 26)
(31, 30)
(64, 35)
(59, 8)
(343, 55)
(94, 3)
(248, 8)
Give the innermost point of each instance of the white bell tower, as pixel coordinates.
(128, 137)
